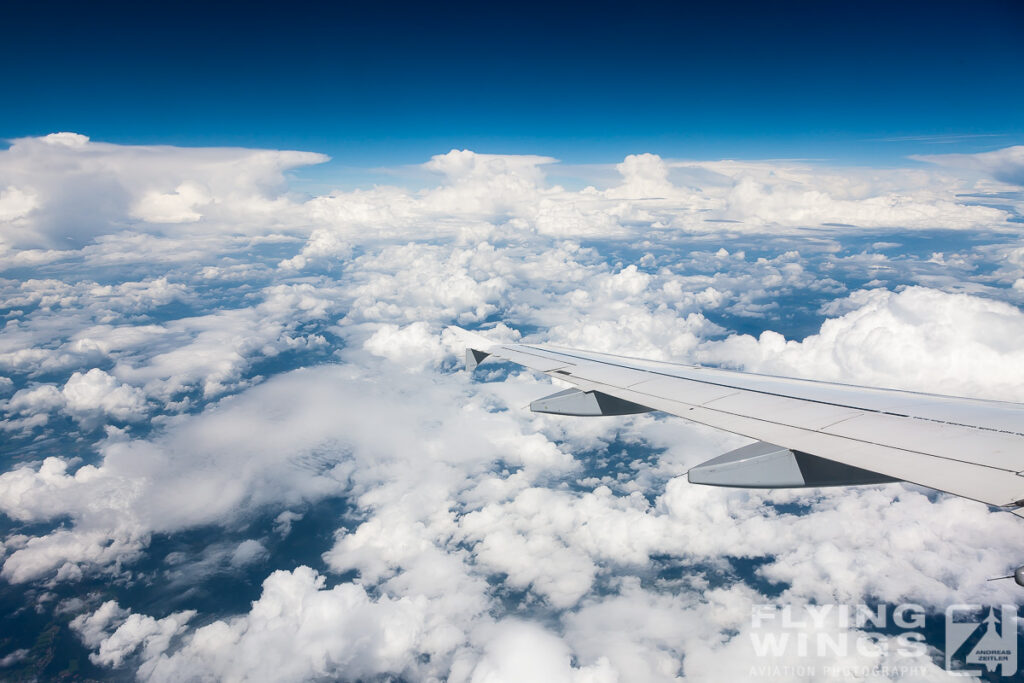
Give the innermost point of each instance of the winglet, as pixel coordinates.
(476, 346)
(474, 358)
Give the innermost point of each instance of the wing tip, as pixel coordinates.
(477, 346)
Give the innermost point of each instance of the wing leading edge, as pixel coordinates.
(811, 433)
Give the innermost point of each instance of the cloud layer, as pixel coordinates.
(211, 362)
(64, 188)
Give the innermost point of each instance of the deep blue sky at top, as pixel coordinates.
(387, 83)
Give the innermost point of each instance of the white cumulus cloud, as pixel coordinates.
(65, 186)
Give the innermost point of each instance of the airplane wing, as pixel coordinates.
(809, 433)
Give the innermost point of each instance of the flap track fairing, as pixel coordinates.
(767, 466)
(586, 404)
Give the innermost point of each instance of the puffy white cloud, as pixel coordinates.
(64, 186)
(322, 245)
(68, 556)
(154, 636)
(93, 627)
(283, 522)
(247, 552)
(919, 339)
(551, 542)
(484, 184)
(420, 282)
(136, 296)
(39, 399)
(523, 651)
(89, 397)
(413, 346)
(1005, 165)
(65, 139)
(180, 206)
(118, 634)
(297, 629)
(784, 204)
(477, 191)
(643, 176)
(15, 204)
(12, 658)
(783, 195)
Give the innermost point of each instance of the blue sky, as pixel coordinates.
(391, 83)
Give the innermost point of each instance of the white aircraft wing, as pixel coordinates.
(809, 433)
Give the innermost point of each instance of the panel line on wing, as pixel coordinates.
(816, 431)
(970, 479)
(798, 398)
